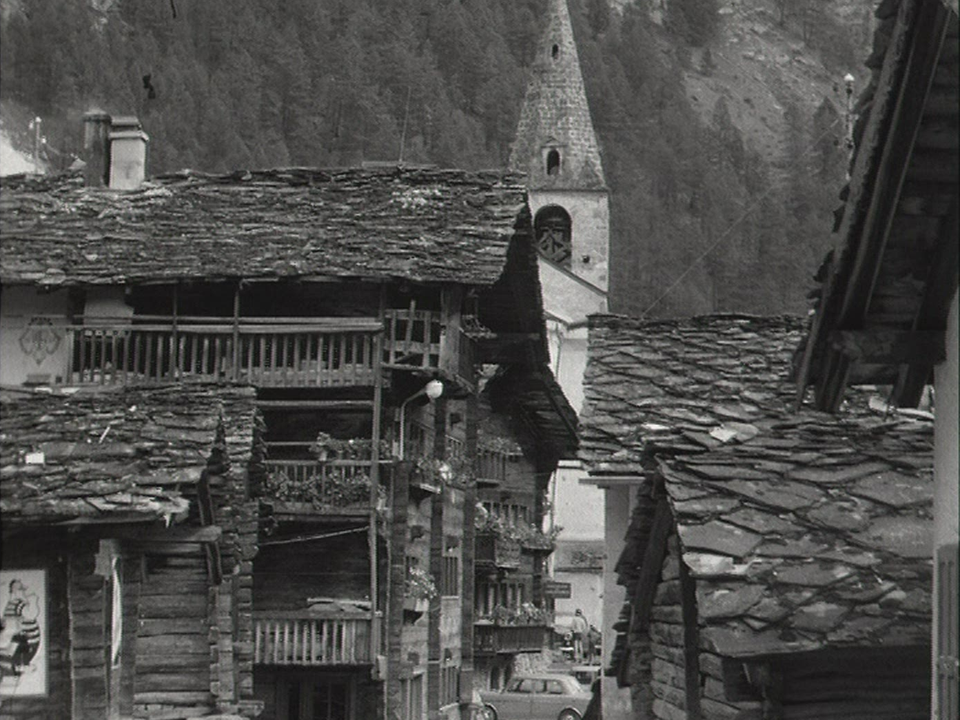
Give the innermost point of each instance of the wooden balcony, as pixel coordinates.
(321, 352)
(274, 353)
(495, 552)
(420, 339)
(305, 639)
(340, 487)
(492, 639)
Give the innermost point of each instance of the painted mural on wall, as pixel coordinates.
(23, 656)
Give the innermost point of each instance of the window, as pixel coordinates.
(553, 162)
(450, 576)
(552, 228)
(555, 687)
(449, 685)
(411, 694)
(555, 51)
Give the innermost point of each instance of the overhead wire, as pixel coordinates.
(726, 233)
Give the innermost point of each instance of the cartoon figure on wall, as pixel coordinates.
(23, 657)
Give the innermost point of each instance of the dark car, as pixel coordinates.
(541, 696)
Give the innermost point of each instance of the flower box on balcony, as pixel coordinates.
(492, 549)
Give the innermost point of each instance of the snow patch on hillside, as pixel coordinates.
(12, 161)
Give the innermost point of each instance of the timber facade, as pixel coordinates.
(310, 551)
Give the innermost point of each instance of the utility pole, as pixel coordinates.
(848, 120)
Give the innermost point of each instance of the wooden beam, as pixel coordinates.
(885, 346)
(922, 38)
(646, 587)
(940, 288)
(880, 170)
(314, 404)
(691, 643)
(174, 534)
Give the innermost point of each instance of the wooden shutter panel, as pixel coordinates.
(948, 691)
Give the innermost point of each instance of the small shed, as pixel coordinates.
(776, 564)
(127, 548)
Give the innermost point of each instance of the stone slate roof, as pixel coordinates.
(801, 529)
(555, 114)
(424, 225)
(112, 455)
(814, 532)
(662, 387)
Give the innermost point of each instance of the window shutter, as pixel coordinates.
(948, 691)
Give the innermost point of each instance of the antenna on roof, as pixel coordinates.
(403, 132)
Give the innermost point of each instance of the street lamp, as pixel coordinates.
(432, 390)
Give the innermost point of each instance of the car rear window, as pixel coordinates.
(526, 685)
(555, 687)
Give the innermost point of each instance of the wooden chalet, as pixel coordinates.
(773, 563)
(356, 305)
(125, 517)
(526, 427)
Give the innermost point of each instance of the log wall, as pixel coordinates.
(173, 652)
(35, 552)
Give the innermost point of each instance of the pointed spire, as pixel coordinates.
(556, 144)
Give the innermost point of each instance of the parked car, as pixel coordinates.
(586, 674)
(544, 696)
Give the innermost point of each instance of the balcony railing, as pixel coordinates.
(490, 638)
(301, 638)
(419, 338)
(494, 551)
(337, 485)
(288, 354)
(281, 352)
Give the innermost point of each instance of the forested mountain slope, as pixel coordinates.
(719, 123)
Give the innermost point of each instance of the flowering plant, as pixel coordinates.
(339, 490)
(525, 614)
(419, 584)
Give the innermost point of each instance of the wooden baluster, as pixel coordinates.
(325, 629)
(249, 340)
(137, 351)
(71, 350)
(297, 361)
(343, 358)
(81, 344)
(296, 641)
(159, 355)
(257, 644)
(148, 347)
(313, 642)
(353, 641)
(217, 357)
(393, 338)
(114, 361)
(276, 643)
(273, 358)
(205, 360)
(179, 367)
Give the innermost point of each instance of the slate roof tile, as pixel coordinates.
(425, 225)
(82, 457)
(827, 514)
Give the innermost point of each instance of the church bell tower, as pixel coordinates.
(557, 148)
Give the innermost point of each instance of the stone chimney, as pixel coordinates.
(96, 148)
(128, 153)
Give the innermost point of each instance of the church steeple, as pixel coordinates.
(556, 144)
